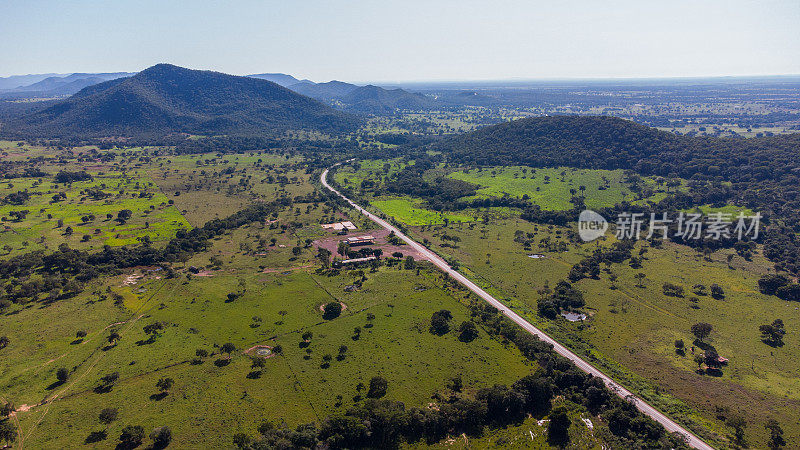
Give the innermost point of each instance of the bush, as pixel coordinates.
(332, 310)
(132, 436)
(377, 387)
(672, 290)
(770, 283)
(440, 322)
(468, 332)
(161, 437)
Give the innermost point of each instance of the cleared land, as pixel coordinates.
(632, 329)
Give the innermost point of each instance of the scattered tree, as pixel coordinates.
(701, 330)
(132, 436)
(8, 433)
(332, 310)
(377, 387)
(772, 334)
(62, 374)
(161, 437)
(165, 384)
(468, 332)
(108, 415)
(776, 440)
(440, 322)
(227, 348)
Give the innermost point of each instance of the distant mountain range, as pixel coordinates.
(169, 99)
(16, 81)
(363, 99)
(345, 96)
(54, 86)
(278, 78)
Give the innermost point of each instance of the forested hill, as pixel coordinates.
(613, 143)
(376, 100)
(169, 99)
(762, 174)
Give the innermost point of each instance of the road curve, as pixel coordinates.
(644, 407)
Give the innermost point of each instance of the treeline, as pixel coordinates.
(440, 192)
(759, 173)
(63, 273)
(383, 423)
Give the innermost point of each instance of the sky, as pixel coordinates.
(408, 40)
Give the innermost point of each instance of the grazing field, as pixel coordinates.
(255, 285)
(552, 188)
(633, 325)
(412, 212)
(392, 308)
(85, 214)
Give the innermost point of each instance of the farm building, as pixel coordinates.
(360, 240)
(339, 226)
(354, 261)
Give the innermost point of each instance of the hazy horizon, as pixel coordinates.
(393, 42)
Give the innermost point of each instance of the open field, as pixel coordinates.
(85, 214)
(394, 343)
(412, 212)
(552, 188)
(635, 327)
(255, 285)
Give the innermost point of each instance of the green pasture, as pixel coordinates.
(393, 309)
(635, 327)
(551, 188)
(152, 215)
(412, 212)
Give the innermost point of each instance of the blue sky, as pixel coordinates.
(387, 40)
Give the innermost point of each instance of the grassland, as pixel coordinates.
(632, 329)
(270, 269)
(412, 212)
(552, 188)
(84, 214)
(395, 343)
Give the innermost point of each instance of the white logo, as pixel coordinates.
(591, 225)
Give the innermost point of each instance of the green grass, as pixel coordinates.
(152, 217)
(551, 188)
(397, 346)
(412, 212)
(633, 329)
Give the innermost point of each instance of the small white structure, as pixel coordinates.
(339, 226)
(360, 240)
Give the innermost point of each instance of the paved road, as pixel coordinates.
(670, 425)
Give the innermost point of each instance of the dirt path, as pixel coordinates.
(15, 419)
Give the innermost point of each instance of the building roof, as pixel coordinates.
(358, 260)
(361, 238)
(338, 226)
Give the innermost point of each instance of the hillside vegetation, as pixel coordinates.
(169, 99)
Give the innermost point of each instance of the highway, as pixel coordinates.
(645, 408)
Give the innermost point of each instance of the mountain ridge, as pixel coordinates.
(167, 99)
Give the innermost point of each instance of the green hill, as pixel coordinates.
(169, 99)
